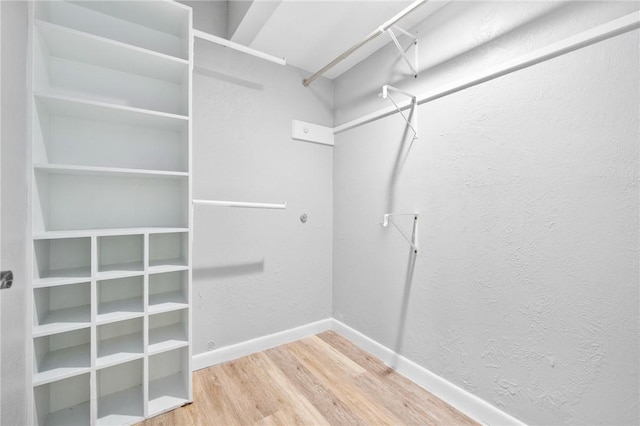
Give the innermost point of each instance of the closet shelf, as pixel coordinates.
(113, 409)
(119, 349)
(118, 310)
(62, 320)
(76, 415)
(63, 363)
(79, 107)
(165, 302)
(63, 277)
(67, 43)
(166, 338)
(53, 235)
(163, 393)
(106, 171)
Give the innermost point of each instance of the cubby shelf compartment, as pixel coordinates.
(120, 298)
(119, 342)
(61, 308)
(168, 251)
(157, 26)
(67, 43)
(62, 261)
(168, 291)
(61, 355)
(168, 380)
(168, 331)
(120, 393)
(64, 402)
(120, 254)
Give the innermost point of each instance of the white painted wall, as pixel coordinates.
(14, 212)
(258, 272)
(211, 16)
(526, 288)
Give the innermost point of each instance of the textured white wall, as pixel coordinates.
(14, 213)
(526, 288)
(258, 272)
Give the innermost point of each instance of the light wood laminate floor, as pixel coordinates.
(320, 380)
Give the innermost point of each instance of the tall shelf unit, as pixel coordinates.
(110, 219)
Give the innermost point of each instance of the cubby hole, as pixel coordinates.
(121, 254)
(168, 250)
(63, 402)
(120, 341)
(61, 355)
(168, 291)
(120, 394)
(168, 380)
(61, 308)
(168, 330)
(59, 260)
(156, 26)
(120, 298)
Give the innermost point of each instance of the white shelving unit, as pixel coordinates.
(111, 191)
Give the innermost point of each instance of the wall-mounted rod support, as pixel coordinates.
(414, 105)
(239, 47)
(414, 43)
(240, 204)
(413, 241)
(380, 30)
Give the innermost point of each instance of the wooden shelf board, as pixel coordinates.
(167, 393)
(106, 171)
(124, 407)
(64, 276)
(79, 46)
(119, 349)
(119, 310)
(105, 232)
(164, 302)
(76, 415)
(63, 363)
(61, 320)
(162, 339)
(74, 106)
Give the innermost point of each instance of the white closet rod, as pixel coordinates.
(240, 48)
(380, 30)
(241, 204)
(583, 39)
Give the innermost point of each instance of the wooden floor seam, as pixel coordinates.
(319, 380)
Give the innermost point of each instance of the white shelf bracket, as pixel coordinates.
(413, 241)
(403, 52)
(414, 107)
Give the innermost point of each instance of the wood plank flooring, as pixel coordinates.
(320, 380)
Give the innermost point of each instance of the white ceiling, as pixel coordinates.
(311, 33)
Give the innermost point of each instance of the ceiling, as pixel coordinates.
(311, 33)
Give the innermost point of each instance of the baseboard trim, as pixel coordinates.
(259, 344)
(471, 405)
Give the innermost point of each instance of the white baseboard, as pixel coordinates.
(459, 398)
(259, 344)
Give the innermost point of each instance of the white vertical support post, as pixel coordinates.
(93, 377)
(145, 326)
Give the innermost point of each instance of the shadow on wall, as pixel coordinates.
(226, 271)
(406, 296)
(403, 153)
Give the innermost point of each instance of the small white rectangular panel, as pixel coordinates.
(309, 132)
